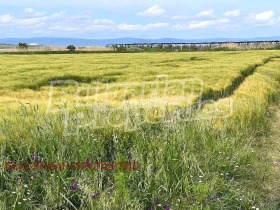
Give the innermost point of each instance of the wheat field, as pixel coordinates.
(194, 122)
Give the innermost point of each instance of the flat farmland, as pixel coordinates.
(28, 77)
(197, 125)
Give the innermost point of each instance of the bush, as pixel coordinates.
(71, 48)
(22, 45)
(122, 49)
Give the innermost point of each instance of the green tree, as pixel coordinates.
(71, 48)
(121, 48)
(22, 46)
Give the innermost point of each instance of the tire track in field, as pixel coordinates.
(215, 95)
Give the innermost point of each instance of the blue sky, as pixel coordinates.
(186, 19)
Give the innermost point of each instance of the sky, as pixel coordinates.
(151, 19)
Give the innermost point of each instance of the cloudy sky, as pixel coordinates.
(139, 18)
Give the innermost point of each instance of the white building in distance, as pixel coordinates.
(33, 44)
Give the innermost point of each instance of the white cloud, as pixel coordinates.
(203, 24)
(208, 23)
(79, 29)
(58, 15)
(103, 22)
(264, 16)
(31, 12)
(59, 21)
(154, 11)
(151, 26)
(13, 21)
(31, 21)
(179, 18)
(233, 13)
(82, 25)
(207, 13)
(59, 27)
(6, 19)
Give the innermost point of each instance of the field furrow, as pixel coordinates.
(209, 158)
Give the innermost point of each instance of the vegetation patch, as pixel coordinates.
(207, 162)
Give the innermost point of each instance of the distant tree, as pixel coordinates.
(71, 48)
(22, 46)
(115, 47)
(121, 48)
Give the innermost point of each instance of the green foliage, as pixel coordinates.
(71, 48)
(121, 49)
(205, 164)
(22, 46)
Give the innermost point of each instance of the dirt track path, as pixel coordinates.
(273, 149)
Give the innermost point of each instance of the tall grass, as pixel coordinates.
(176, 160)
(206, 164)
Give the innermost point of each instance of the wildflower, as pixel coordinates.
(185, 195)
(88, 163)
(31, 176)
(95, 196)
(33, 156)
(166, 207)
(156, 201)
(73, 186)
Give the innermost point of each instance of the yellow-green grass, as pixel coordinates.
(26, 78)
(251, 103)
(250, 99)
(186, 165)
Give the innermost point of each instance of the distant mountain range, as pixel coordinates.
(103, 42)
